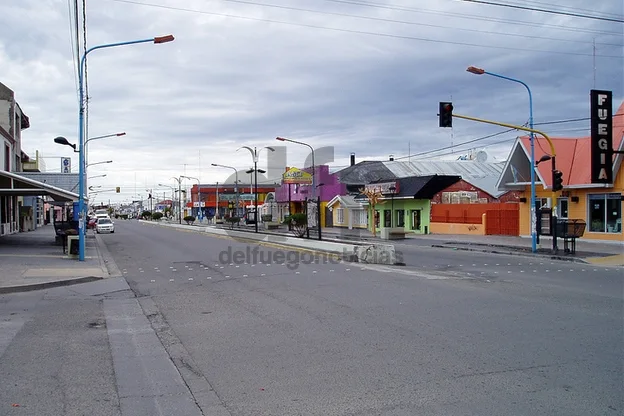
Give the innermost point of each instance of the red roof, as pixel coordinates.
(573, 154)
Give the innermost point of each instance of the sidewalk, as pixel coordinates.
(32, 261)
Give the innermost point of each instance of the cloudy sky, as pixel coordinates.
(363, 76)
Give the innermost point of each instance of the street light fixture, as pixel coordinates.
(96, 176)
(99, 163)
(179, 180)
(199, 210)
(283, 139)
(81, 131)
(235, 184)
(533, 224)
(255, 153)
(63, 141)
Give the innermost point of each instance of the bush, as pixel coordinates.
(267, 218)
(298, 223)
(146, 215)
(232, 221)
(157, 215)
(189, 219)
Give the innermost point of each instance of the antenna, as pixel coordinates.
(594, 48)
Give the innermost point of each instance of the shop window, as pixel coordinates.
(387, 218)
(340, 216)
(605, 213)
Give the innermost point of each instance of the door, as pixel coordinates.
(416, 218)
(562, 208)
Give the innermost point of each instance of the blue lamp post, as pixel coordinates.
(81, 142)
(533, 225)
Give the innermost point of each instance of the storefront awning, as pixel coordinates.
(16, 185)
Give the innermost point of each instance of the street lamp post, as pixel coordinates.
(282, 139)
(179, 180)
(533, 224)
(255, 152)
(98, 163)
(172, 194)
(392, 189)
(81, 116)
(198, 194)
(235, 186)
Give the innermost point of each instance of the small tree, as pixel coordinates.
(373, 195)
(189, 219)
(298, 223)
(168, 212)
(232, 221)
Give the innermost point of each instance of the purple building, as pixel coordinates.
(327, 187)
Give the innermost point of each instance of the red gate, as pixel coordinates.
(502, 222)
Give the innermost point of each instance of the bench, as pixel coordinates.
(272, 225)
(392, 233)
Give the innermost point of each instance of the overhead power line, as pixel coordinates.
(359, 32)
(535, 9)
(406, 22)
(471, 17)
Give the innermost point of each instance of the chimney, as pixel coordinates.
(352, 159)
(391, 158)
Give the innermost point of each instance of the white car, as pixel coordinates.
(104, 225)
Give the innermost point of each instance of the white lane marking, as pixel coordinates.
(263, 274)
(174, 270)
(244, 275)
(153, 281)
(208, 278)
(237, 266)
(297, 272)
(331, 270)
(190, 278)
(314, 271)
(171, 280)
(347, 269)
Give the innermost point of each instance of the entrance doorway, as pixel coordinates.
(416, 218)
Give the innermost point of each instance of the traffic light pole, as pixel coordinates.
(552, 156)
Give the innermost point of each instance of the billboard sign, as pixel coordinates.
(297, 176)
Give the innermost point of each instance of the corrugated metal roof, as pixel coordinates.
(66, 181)
(482, 175)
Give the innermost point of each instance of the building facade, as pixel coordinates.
(598, 205)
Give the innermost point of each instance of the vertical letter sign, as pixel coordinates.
(601, 137)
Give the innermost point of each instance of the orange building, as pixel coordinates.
(599, 205)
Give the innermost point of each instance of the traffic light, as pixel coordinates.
(557, 180)
(117, 189)
(446, 114)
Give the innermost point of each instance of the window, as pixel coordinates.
(387, 218)
(340, 215)
(400, 218)
(605, 213)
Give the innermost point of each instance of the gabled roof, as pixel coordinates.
(573, 159)
(425, 187)
(483, 175)
(364, 172)
(347, 201)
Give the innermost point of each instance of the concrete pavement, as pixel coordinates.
(459, 333)
(32, 261)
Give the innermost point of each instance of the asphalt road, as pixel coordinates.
(463, 333)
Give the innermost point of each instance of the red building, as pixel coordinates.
(204, 198)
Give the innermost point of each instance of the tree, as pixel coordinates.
(373, 195)
(298, 223)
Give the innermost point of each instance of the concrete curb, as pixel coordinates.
(48, 285)
(354, 252)
(513, 253)
(106, 259)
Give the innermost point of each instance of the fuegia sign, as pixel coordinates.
(601, 137)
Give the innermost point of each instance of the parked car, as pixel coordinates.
(104, 225)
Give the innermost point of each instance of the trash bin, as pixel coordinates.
(72, 245)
